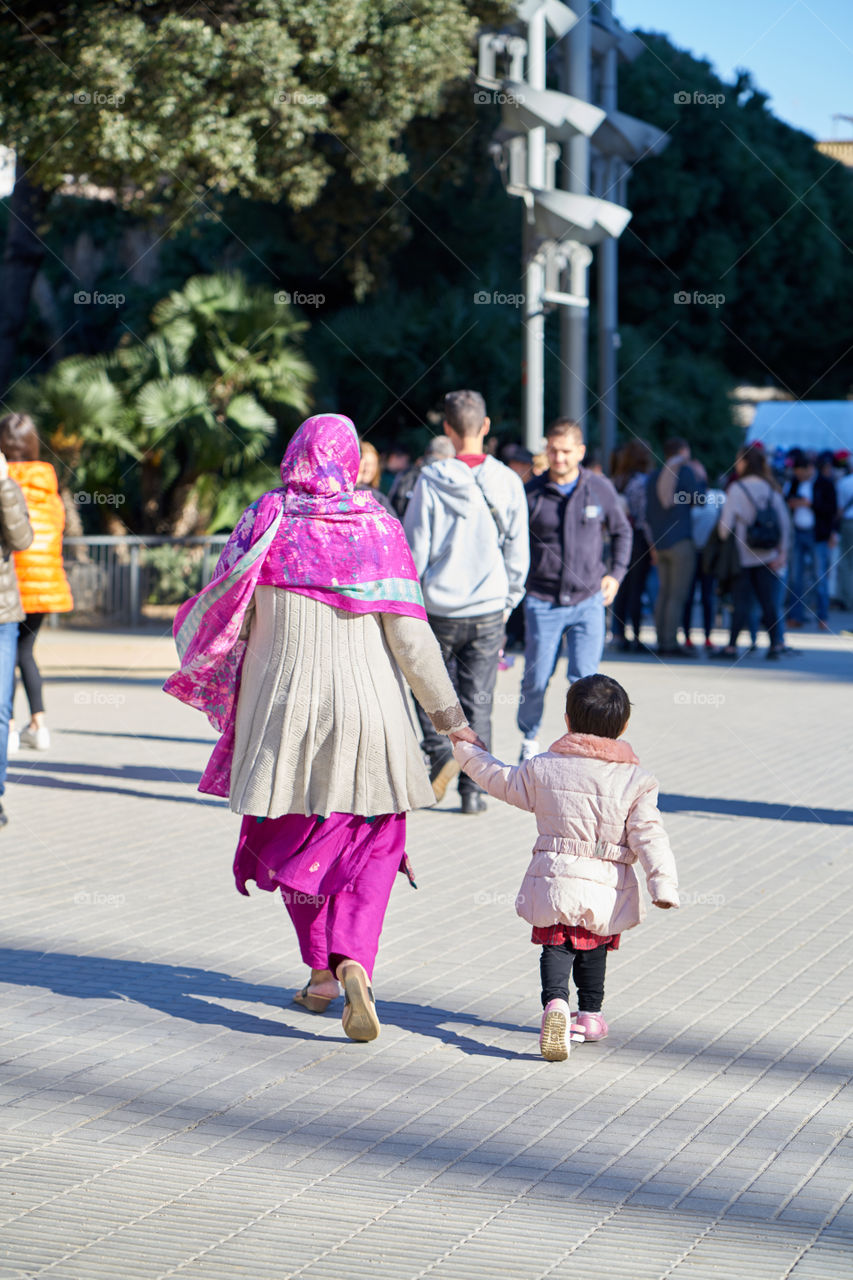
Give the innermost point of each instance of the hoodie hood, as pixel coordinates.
(455, 481)
(467, 527)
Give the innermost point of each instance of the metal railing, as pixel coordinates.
(113, 577)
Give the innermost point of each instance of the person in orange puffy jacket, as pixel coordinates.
(41, 578)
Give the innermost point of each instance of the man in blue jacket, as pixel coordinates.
(569, 586)
(467, 526)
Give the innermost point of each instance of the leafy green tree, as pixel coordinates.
(80, 414)
(199, 396)
(739, 204)
(743, 209)
(167, 111)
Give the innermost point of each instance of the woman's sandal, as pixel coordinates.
(312, 1002)
(359, 1018)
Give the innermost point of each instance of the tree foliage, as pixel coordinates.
(266, 98)
(739, 205)
(743, 209)
(167, 112)
(199, 396)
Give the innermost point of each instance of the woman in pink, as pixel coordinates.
(299, 651)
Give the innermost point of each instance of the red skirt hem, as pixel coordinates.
(578, 938)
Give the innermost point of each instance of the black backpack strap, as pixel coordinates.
(755, 505)
(492, 510)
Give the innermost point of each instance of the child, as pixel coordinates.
(597, 814)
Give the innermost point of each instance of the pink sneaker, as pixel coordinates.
(576, 1031)
(592, 1025)
(554, 1034)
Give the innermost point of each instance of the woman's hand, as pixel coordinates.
(467, 734)
(664, 906)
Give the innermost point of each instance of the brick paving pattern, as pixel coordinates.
(167, 1111)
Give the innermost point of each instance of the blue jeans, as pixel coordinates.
(471, 650)
(802, 573)
(821, 587)
(780, 590)
(8, 659)
(545, 625)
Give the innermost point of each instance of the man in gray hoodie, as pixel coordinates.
(467, 526)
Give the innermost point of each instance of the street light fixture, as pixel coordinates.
(538, 127)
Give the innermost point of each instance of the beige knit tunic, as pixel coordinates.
(324, 722)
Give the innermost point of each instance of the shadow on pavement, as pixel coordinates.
(755, 809)
(178, 990)
(674, 803)
(144, 737)
(823, 663)
(135, 772)
(30, 778)
(41, 773)
(184, 992)
(188, 992)
(99, 676)
(191, 993)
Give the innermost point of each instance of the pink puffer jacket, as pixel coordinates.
(597, 815)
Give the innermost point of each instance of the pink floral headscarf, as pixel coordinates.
(335, 543)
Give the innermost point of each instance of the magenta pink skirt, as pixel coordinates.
(317, 856)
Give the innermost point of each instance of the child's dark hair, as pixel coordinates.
(599, 705)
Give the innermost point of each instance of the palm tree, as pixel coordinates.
(201, 395)
(82, 420)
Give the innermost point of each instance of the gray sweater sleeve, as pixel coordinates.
(14, 519)
(621, 534)
(417, 654)
(516, 546)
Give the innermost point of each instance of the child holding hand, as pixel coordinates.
(596, 812)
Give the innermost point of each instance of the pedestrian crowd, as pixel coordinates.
(347, 648)
(762, 541)
(327, 603)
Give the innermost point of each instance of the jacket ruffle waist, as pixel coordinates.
(602, 849)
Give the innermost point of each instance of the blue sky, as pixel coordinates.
(800, 52)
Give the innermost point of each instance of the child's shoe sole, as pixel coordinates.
(553, 1040)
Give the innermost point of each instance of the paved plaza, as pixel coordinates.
(167, 1111)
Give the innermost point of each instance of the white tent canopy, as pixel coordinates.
(804, 424)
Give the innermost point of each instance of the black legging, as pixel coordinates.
(707, 585)
(30, 674)
(628, 604)
(759, 582)
(555, 966)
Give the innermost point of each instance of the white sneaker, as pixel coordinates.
(38, 739)
(529, 749)
(14, 743)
